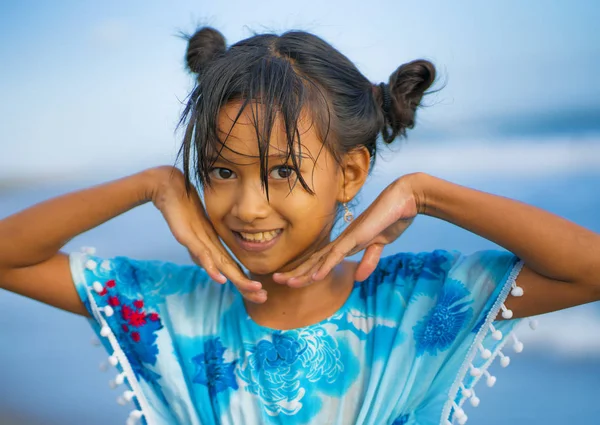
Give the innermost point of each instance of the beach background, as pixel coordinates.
(92, 92)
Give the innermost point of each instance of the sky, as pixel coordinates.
(91, 86)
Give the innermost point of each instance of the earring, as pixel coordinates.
(348, 216)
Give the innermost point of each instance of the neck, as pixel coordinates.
(288, 308)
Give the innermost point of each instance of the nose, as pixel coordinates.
(251, 203)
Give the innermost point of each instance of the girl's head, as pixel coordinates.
(280, 130)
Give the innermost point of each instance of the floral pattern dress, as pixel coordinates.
(407, 347)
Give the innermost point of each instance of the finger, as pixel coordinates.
(307, 278)
(226, 265)
(302, 269)
(336, 255)
(235, 274)
(369, 262)
(258, 297)
(301, 281)
(203, 257)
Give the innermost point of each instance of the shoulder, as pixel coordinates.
(439, 264)
(133, 279)
(417, 273)
(411, 265)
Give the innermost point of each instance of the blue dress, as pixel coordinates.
(407, 347)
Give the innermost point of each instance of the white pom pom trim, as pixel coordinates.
(105, 331)
(476, 372)
(98, 287)
(496, 334)
(533, 324)
(504, 360)
(113, 360)
(107, 310)
(90, 265)
(506, 313)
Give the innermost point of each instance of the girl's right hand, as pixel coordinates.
(191, 227)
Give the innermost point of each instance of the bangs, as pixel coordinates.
(271, 89)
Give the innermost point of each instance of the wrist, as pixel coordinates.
(154, 180)
(420, 184)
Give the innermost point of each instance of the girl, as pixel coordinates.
(281, 134)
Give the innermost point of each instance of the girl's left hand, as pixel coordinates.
(380, 224)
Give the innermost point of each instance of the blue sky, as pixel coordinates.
(88, 84)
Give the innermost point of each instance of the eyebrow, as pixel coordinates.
(215, 158)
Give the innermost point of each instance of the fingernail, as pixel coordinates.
(256, 285)
(261, 296)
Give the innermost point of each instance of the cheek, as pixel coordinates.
(216, 204)
(309, 213)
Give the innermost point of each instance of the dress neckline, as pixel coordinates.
(355, 291)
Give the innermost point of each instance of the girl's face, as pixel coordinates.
(274, 235)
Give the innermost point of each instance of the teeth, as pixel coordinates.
(260, 236)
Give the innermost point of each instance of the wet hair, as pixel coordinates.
(286, 75)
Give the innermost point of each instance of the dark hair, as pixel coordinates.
(287, 74)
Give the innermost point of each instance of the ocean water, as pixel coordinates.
(48, 368)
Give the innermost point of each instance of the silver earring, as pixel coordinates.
(348, 216)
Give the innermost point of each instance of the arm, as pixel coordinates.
(30, 261)
(562, 259)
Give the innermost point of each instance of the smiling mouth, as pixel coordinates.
(259, 237)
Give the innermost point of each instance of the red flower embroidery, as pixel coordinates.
(113, 301)
(137, 318)
(110, 283)
(135, 336)
(138, 304)
(103, 293)
(126, 312)
(125, 328)
(154, 317)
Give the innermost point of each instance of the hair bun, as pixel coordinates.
(407, 86)
(203, 47)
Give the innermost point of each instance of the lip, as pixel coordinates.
(256, 246)
(256, 230)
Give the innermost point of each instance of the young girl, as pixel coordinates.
(281, 134)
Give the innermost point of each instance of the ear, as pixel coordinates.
(355, 169)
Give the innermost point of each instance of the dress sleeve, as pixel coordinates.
(456, 336)
(125, 300)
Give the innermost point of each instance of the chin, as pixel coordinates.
(260, 268)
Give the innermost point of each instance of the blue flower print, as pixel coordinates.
(212, 370)
(414, 265)
(436, 331)
(434, 265)
(281, 370)
(127, 273)
(133, 281)
(386, 272)
(402, 420)
(283, 350)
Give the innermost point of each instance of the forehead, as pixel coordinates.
(243, 133)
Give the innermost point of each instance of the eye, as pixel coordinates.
(282, 172)
(220, 173)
